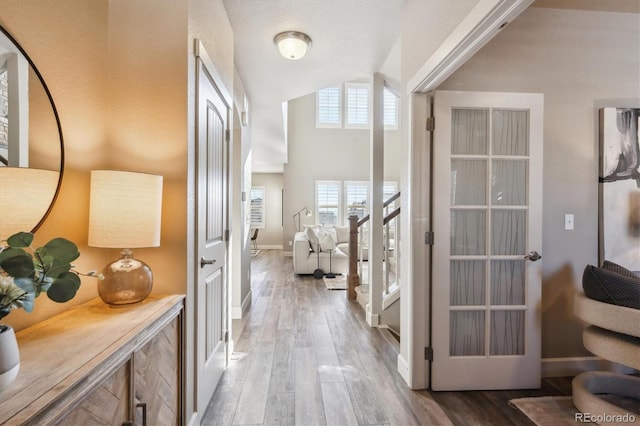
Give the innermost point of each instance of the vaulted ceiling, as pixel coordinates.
(350, 39)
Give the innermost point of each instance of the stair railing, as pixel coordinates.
(356, 251)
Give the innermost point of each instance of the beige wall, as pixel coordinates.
(147, 118)
(122, 75)
(117, 74)
(580, 61)
(326, 154)
(75, 70)
(271, 235)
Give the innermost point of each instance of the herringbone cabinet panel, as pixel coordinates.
(156, 378)
(107, 404)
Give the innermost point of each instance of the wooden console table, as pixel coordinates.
(94, 364)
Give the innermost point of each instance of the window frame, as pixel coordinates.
(261, 207)
(347, 97)
(337, 184)
(388, 95)
(347, 185)
(329, 125)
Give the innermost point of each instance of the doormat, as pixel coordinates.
(337, 283)
(548, 410)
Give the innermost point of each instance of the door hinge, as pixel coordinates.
(227, 234)
(428, 353)
(227, 135)
(428, 238)
(431, 124)
(226, 337)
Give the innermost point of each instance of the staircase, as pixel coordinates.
(358, 277)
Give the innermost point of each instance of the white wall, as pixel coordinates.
(580, 61)
(270, 237)
(325, 154)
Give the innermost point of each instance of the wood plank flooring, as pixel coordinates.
(304, 355)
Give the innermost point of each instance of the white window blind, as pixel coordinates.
(357, 105)
(329, 107)
(390, 110)
(328, 205)
(356, 196)
(257, 206)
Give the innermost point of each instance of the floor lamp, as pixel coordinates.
(306, 212)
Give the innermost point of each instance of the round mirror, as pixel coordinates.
(31, 144)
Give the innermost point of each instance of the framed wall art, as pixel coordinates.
(619, 192)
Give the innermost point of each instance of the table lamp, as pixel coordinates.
(125, 213)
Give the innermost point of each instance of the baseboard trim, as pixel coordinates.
(403, 369)
(237, 312)
(372, 319)
(269, 247)
(193, 421)
(572, 366)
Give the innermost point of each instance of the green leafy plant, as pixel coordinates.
(25, 272)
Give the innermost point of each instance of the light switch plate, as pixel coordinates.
(568, 222)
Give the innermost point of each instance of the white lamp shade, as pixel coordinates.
(125, 209)
(25, 197)
(292, 44)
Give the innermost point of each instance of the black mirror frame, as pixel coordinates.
(57, 117)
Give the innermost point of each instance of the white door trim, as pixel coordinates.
(478, 28)
(483, 23)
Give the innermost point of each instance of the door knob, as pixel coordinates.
(204, 261)
(533, 256)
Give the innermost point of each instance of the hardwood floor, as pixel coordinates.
(304, 355)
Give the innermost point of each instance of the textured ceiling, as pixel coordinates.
(350, 40)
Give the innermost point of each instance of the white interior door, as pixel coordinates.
(488, 197)
(211, 234)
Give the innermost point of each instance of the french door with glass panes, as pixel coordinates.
(487, 178)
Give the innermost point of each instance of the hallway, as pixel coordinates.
(304, 355)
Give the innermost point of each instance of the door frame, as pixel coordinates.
(481, 24)
(192, 414)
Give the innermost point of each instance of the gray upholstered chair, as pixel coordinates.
(610, 304)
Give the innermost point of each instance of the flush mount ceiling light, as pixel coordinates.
(292, 44)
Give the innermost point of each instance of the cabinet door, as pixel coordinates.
(157, 378)
(107, 404)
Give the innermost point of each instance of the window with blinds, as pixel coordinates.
(356, 199)
(328, 202)
(329, 107)
(257, 207)
(357, 106)
(390, 110)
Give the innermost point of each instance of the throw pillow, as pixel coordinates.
(327, 240)
(311, 235)
(618, 269)
(342, 234)
(608, 286)
(332, 230)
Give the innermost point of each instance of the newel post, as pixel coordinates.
(353, 279)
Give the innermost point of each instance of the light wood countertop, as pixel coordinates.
(59, 356)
